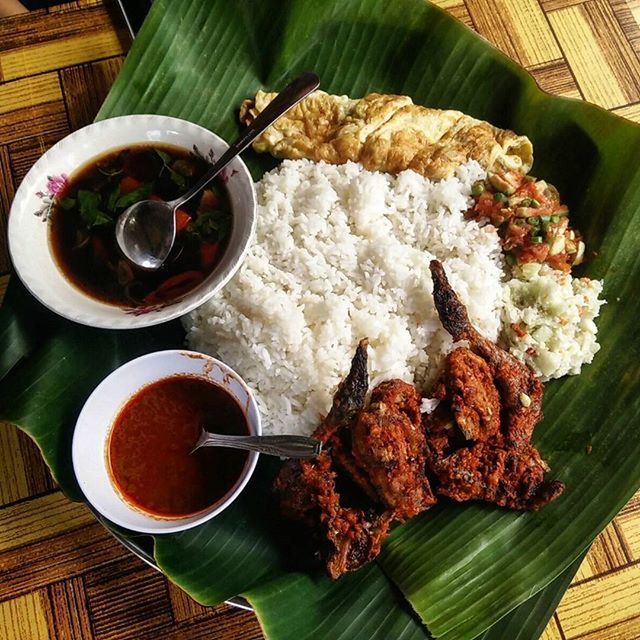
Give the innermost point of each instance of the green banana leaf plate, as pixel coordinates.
(456, 572)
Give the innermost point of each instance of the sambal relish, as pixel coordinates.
(532, 222)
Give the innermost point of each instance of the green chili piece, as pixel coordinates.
(477, 188)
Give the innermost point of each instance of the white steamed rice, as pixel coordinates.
(342, 253)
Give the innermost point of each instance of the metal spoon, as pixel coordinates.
(146, 231)
(283, 446)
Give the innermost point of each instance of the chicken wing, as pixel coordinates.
(349, 537)
(520, 390)
(478, 438)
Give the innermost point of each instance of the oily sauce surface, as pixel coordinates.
(151, 439)
(82, 224)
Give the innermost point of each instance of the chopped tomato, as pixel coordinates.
(559, 261)
(534, 253)
(514, 235)
(128, 184)
(174, 287)
(208, 254)
(485, 206)
(529, 218)
(182, 220)
(528, 190)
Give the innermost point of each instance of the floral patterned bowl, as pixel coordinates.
(29, 231)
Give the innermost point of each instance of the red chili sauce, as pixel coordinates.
(153, 435)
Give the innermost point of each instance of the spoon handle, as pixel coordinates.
(293, 93)
(283, 446)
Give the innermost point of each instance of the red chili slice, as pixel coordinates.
(182, 220)
(100, 253)
(128, 184)
(174, 287)
(209, 254)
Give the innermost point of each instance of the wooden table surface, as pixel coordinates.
(62, 576)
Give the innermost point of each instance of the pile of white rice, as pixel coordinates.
(342, 253)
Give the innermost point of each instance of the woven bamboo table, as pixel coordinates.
(62, 576)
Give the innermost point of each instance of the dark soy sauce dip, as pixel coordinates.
(82, 224)
(151, 440)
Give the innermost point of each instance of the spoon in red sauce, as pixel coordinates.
(282, 446)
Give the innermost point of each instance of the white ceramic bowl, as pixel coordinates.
(90, 438)
(28, 228)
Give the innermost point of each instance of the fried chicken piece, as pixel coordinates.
(349, 537)
(511, 477)
(389, 443)
(520, 390)
(355, 537)
(478, 438)
(341, 447)
(307, 488)
(475, 402)
(302, 484)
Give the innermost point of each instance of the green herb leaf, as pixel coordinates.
(178, 178)
(67, 203)
(90, 210)
(141, 193)
(112, 200)
(213, 225)
(165, 157)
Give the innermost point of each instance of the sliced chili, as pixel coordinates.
(175, 286)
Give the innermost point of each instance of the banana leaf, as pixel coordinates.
(461, 568)
(529, 620)
(222, 559)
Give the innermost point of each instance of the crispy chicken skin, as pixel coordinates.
(389, 443)
(478, 439)
(512, 477)
(475, 402)
(349, 538)
(355, 537)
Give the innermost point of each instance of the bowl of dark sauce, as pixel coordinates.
(133, 441)
(62, 222)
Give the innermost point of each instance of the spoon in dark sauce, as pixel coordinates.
(282, 446)
(146, 231)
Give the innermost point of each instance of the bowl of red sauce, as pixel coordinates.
(62, 223)
(132, 445)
